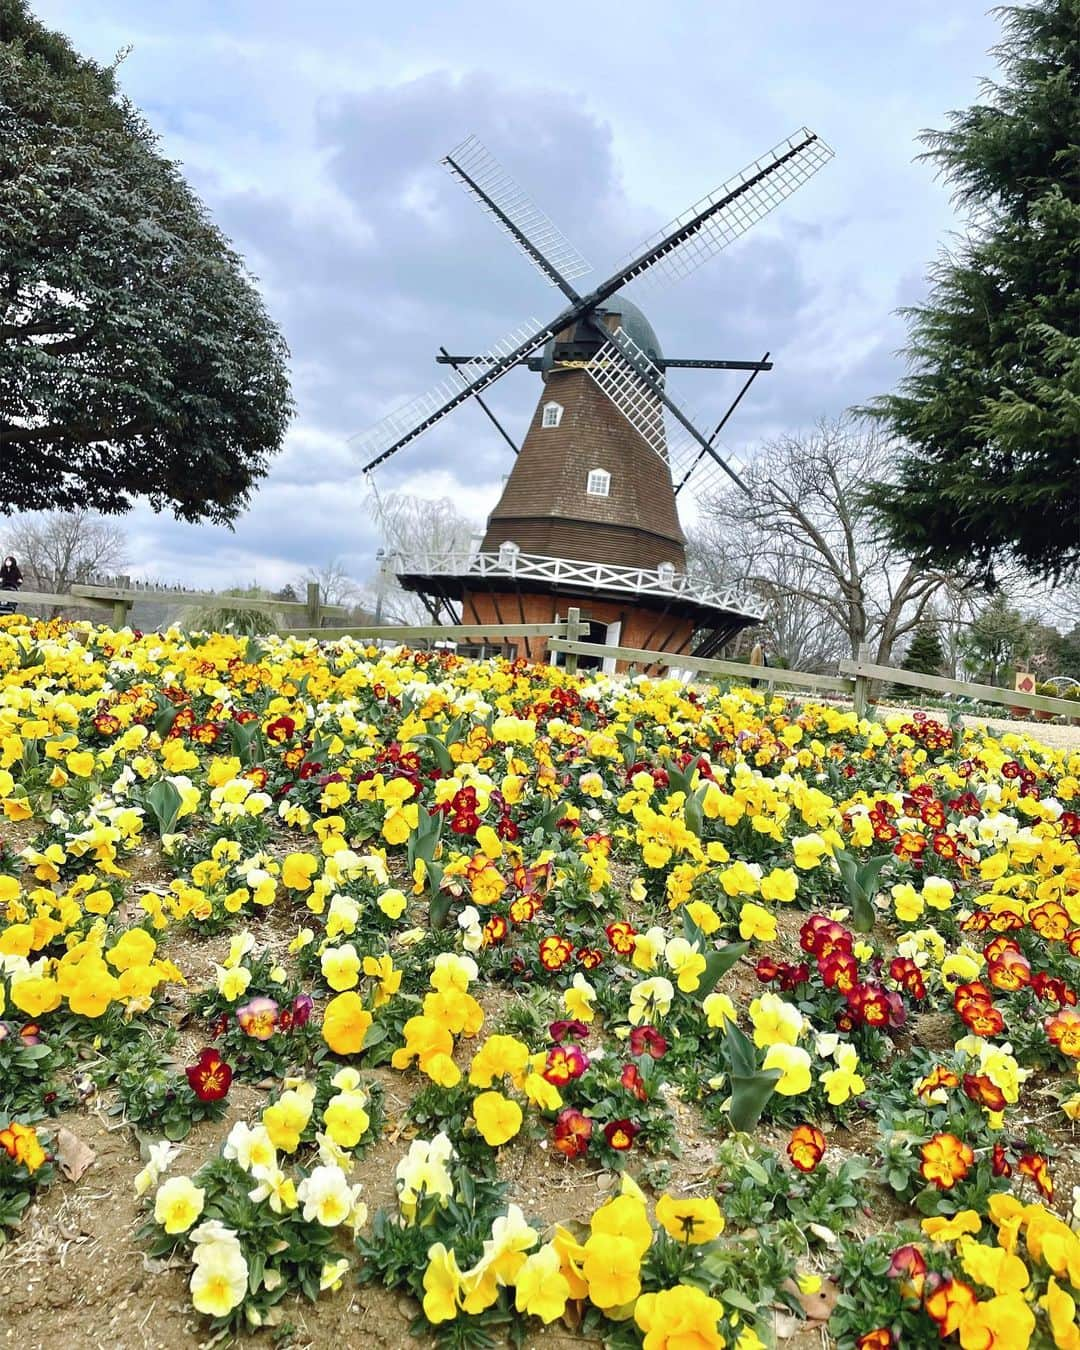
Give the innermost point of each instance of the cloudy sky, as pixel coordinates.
(313, 132)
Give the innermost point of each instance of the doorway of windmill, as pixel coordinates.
(605, 635)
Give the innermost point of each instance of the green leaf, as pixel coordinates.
(438, 748)
(749, 1097)
(717, 965)
(165, 801)
(439, 909)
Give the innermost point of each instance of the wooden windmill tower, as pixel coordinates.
(589, 515)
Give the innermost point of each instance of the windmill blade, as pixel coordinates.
(542, 242)
(724, 215)
(623, 372)
(413, 418)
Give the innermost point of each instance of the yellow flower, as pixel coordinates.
(297, 871)
(178, 1203)
(500, 1056)
(232, 984)
(684, 1316)
(843, 1082)
(1004, 1320)
(346, 1118)
(219, 1282)
(1061, 1312)
(939, 1229)
(442, 1285)
(392, 903)
(691, 1221)
(578, 1000)
(757, 923)
(650, 1000)
(541, 1289)
(938, 893)
(286, 1119)
(611, 1268)
(498, 1118)
(794, 1065)
(340, 966)
(808, 851)
(775, 1021)
(345, 1024)
(718, 1009)
(907, 902)
(780, 884)
(739, 879)
(81, 763)
(685, 962)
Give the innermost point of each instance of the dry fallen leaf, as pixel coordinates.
(73, 1156)
(819, 1306)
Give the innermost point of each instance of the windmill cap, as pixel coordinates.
(632, 320)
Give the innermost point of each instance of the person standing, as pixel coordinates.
(10, 580)
(757, 658)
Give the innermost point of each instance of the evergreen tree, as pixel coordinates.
(990, 411)
(999, 639)
(926, 654)
(136, 357)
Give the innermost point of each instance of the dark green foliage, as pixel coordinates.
(990, 411)
(136, 357)
(926, 654)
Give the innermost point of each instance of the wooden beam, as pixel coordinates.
(84, 594)
(447, 632)
(736, 669)
(66, 601)
(984, 693)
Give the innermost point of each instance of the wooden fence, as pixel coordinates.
(118, 600)
(855, 678)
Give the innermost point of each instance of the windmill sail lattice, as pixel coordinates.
(488, 183)
(411, 418)
(616, 371)
(753, 193)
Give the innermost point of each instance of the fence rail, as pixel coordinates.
(865, 672)
(120, 599)
(737, 669)
(464, 632)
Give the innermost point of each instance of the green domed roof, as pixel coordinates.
(631, 319)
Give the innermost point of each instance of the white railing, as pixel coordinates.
(570, 572)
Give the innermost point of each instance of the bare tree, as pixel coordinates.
(414, 528)
(336, 587)
(64, 547)
(795, 631)
(811, 547)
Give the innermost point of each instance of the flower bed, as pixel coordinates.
(388, 959)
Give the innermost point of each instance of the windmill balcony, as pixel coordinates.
(527, 571)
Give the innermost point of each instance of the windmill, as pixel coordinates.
(588, 515)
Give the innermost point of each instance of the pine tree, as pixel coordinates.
(926, 654)
(988, 419)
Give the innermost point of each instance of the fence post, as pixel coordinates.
(862, 684)
(120, 607)
(573, 634)
(314, 605)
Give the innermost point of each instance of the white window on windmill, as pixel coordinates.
(552, 415)
(508, 554)
(598, 483)
(666, 573)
